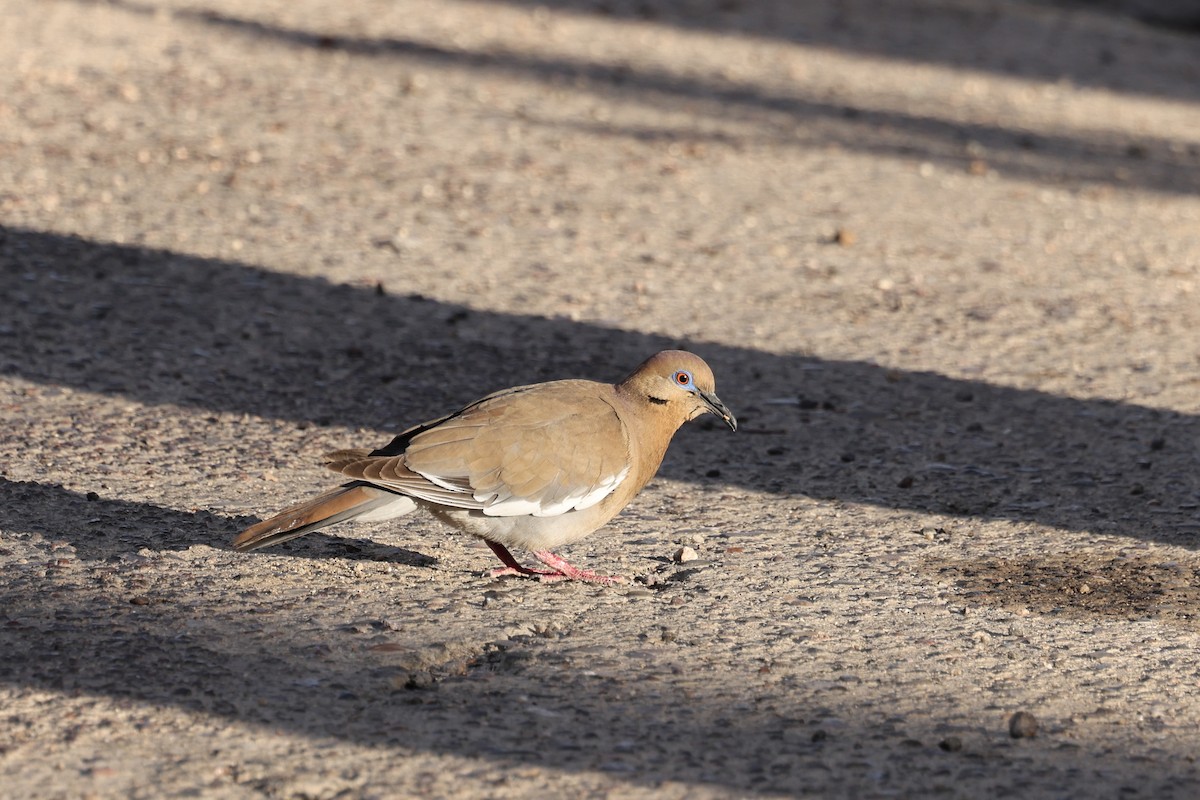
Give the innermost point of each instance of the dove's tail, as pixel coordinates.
(356, 500)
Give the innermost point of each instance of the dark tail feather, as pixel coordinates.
(336, 505)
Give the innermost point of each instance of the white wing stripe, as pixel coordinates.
(445, 492)
(607, 487)
(509, 506)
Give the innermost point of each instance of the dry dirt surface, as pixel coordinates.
(943, 256)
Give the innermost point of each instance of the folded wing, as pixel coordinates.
(542, 451)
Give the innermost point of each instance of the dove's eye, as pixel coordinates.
(683, 378)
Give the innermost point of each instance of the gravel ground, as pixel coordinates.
(943, 256)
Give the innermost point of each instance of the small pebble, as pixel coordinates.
(684, 555)
(951, 744)
(1022, 725)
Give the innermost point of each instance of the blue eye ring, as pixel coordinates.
(683, 379)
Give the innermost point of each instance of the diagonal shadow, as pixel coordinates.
(1050, 40)
(167, 632)
(1149, 161)
(160, 327)
(103, 529)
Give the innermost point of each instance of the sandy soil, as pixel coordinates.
(943, 256)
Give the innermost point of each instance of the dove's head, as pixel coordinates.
(681, 384)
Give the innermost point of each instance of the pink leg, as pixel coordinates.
(561, 569)
(511, 567)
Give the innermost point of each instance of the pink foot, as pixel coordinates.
(511, 567)
(526, 572)
(564, 570)
(560, 568)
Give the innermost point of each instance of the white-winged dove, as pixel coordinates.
(536, 467)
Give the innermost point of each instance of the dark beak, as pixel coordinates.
(717, 407)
